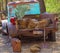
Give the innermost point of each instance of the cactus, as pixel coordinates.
(20, 10)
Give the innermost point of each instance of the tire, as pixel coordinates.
(52, 36)
(7, 30)
(4, 27)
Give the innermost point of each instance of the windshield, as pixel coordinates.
(34, 8)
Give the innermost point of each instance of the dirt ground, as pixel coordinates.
(48, 47)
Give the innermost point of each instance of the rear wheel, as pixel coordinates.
(52, 36)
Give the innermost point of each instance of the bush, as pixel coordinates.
(52, 6)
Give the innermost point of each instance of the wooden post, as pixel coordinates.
(6, 6)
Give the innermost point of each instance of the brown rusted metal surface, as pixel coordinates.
(12, 28)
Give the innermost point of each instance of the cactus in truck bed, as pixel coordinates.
(20, 10)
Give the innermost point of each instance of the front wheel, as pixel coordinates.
(5, 31)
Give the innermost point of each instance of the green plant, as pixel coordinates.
(20, 10)
(52, 6)
(0, 5)
(0, 0)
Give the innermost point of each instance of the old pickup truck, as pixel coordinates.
(14, 28)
